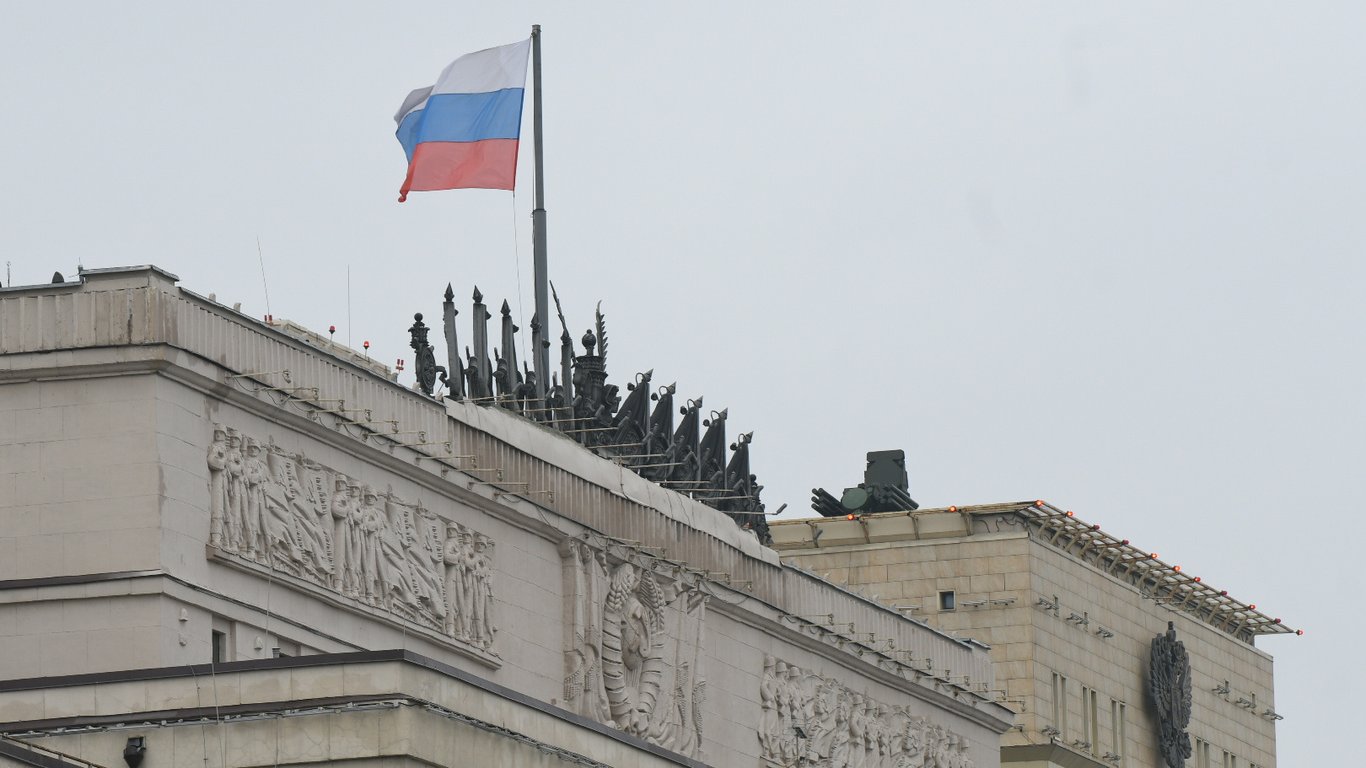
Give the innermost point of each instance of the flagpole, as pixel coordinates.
(542, 354)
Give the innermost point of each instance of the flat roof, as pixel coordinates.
(1062, 530)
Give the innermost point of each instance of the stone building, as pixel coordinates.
(1071, 614)
(228, 542)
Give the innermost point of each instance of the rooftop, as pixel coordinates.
(1062, 530)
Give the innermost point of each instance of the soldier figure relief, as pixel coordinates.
(290, 514)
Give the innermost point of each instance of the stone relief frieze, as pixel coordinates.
(810, 720)
(635, 638)
(285, 512)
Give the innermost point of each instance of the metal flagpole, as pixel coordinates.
(542, 354)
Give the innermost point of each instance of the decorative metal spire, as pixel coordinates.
(453, 366)
(580, 402)
(481, 338)
(507, 375)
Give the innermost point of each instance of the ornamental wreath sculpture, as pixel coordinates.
(1169, 682)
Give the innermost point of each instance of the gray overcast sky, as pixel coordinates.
(1108, 255)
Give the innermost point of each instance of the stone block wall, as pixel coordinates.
(1052, 664)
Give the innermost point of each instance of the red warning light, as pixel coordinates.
(1095, 527)
(1152, 555)
(953, 509)
(1070, 513)
(365, 343)
(1275, 621)
(1252, 606)
(1176, 568)
(1299, 631)
(1197, 579)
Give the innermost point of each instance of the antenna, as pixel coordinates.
(348, 305)
(261, 257)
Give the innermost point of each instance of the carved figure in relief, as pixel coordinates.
(344, 556)
(236, 491)
(294, 515)
(310, 538)
(425, 559)
(821, 724)
(912, 744)
(768, 717)
(255, 475)
(858, 733)
(372, 522)
(456, 554)
(481, 609)
(843, 729)
(840, 742)
(278, 518)
(218, 485)
(395, 584)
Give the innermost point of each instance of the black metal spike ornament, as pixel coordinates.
(513, 374)
(481, 339)
(456, 382)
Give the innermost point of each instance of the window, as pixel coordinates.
(1202, 754)
(1060, 705)
(220, 641)
(946, 600)
(1118, 733)
(1090, 729)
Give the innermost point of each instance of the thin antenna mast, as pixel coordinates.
(261, 258)
(348, 306)
(541, 353)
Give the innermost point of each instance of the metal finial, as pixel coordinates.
(450, 293)
(478, 296)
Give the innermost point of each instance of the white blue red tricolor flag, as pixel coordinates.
(462, 133)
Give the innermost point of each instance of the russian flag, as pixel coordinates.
(462, 133)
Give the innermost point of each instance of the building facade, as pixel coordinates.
(225, 542)
(1071, 614)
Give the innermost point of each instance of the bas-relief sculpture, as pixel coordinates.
(635, 646)
(290, 514)
(1169, 683)
(809, 720)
